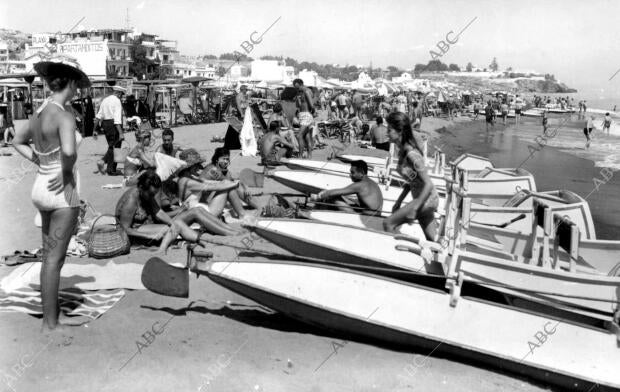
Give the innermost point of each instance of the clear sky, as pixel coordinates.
(577, 40)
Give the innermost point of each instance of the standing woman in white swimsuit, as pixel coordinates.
(54, 150)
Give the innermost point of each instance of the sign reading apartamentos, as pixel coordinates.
(82, 47)
(90, 55)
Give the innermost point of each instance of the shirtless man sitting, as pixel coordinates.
(270, 146)
(168, 146)
(369, 196)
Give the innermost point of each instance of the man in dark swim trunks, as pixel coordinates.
(489, 114)
(606, 123)
(369, 196)
(587, 131)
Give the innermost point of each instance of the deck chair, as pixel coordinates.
(186, 109)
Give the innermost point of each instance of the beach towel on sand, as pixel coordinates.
(249, 147)
(87, 290)
(81, 306)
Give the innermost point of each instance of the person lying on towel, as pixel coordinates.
(369, 197)
(273, 146)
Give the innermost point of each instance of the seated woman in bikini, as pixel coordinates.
(211, 196)
(217, 170)
(139, 158)
(286, 129)
(142, 218)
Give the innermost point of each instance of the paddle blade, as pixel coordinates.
(165, 279)
(251, 178)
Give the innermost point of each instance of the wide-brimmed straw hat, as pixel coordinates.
(62, 66)
(191, 157)
(119, 89)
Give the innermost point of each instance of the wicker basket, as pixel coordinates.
(107, 240)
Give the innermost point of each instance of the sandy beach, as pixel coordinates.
(215, 340)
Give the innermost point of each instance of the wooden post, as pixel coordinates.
(547, 228)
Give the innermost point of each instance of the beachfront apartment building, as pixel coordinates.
(101, 53)
(88, 45)
(4, 57)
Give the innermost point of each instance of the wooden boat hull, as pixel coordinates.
(471, 163)
(598, 255)
(362, 221)
(496, 186)
(483, 264)
(574, 207)
(341, 244)
(341, 169)
(371, 161)
(359, 304)
(314, 182)
(491, 192)
(598, 295)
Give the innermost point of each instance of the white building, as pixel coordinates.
(100, 53)
(403, 78)
(187, 69)
(4, 57)
(310, 78)
(205, 71)
(271, 71)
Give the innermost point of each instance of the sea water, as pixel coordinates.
(604, 149)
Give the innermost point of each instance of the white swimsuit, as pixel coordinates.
(49, 167)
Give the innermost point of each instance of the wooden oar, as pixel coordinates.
(503, 225)
(165, 279)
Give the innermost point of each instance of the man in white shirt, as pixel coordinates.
(110, 119)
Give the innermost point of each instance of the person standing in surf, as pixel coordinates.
(489, 115)
(607, 123)
(518, 106)
(588, 130)
(425, 199)
(504, 108)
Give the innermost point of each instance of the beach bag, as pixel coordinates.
(107, 240)
(278, 207)
(167, 166)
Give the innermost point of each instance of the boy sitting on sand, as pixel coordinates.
(273, 146)
(369, 196)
